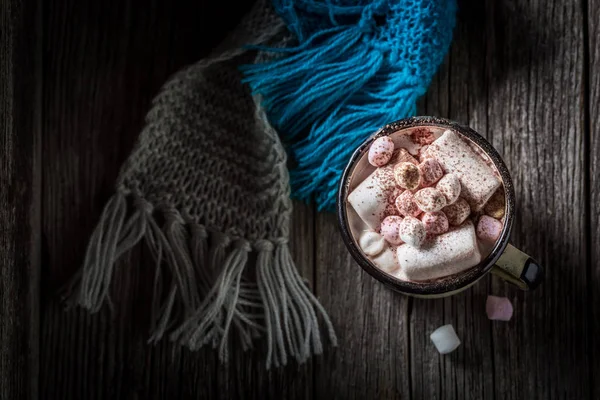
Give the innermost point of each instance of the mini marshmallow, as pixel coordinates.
(449, 185)
(371, 243)
(431, 171)
(457, 212)
(406, 204)
(390, 229)
(402, 155)
(435, 222)
(445, 339)
(496, 204)
(489, 229)
(407, 175)
(498, 308)
(430, 199)
(412, 231)
(381, 151)
(370, 198)
(386, 261)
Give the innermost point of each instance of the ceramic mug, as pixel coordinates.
(504, 260)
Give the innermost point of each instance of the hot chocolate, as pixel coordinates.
(425, 203)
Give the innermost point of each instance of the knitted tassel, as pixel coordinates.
(350, 74)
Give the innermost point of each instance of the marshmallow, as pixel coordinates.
(495, 206)
(435, 222)
(430, 199)
(498, 308)
(381, 151)
(449, 185)
(407, 175)
(423, 153)
(431, 171)
(477, 178)
(412, 231)
(422, 136)
(402, 155)
(390, 229)
(445, 339)
(386, 261)
(457, 212)
(371, 243)
(370, 198)
(489, 229)
(439, 256)
(406, 204)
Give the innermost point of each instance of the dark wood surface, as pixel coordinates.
(75, 83)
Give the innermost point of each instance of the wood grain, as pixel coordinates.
(372, 360)
(459, 93)
(103, 64)
(534, 69)
(593, 177)
(20, 162)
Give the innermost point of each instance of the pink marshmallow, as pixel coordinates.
(406, 204)
(435, 222)
(498, 308)
(390, 229)
(381, 151)
(431, 172)
(488, 229)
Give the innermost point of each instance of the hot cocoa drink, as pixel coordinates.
(425, 203)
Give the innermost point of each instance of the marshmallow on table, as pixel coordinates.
(370, 198)
(439, 256)
(477, 178)
(498, 308)
(445, 339)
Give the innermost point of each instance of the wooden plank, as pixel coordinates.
(103, 64)
(246, 376)
(20, 160)
(593, 177)
(372, 360)
(535, 65)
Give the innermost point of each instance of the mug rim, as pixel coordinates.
(451, 283)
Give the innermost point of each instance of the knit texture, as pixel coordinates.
(207, 189)
(357, 65)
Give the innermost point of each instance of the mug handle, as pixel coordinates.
(518, 268)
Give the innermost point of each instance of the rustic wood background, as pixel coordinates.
(76, 78)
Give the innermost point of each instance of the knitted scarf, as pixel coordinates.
(206, 187)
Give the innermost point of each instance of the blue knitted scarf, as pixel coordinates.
(357, 65)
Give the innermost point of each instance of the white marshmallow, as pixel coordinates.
(371, 243)
(445, 339)
(449, 185)
(412, 231)
(386, 261)
(371, 196)
(439, 256)
(477, 178)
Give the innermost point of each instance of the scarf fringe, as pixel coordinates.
(201, 289)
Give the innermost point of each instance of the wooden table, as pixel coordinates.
(75, 80)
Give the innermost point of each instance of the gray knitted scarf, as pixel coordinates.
(206, 188)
